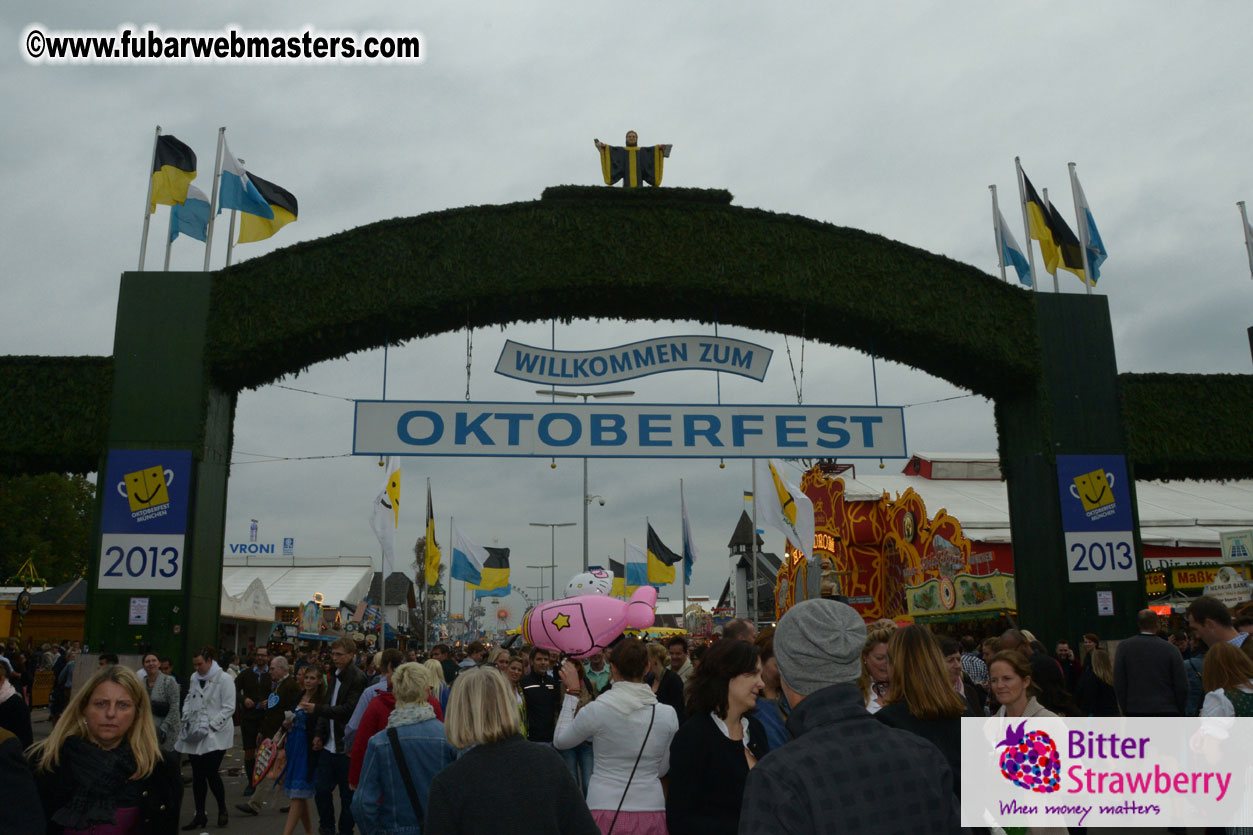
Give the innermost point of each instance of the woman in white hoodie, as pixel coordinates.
(630, 733)
(207, 732)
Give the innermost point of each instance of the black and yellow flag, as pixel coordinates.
(619, 588)
(173, 169)
(1067, 241)
(1040, 226)
(282, 202)
(495, 574)
(432, 547)
(661, 559)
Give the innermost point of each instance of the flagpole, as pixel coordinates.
(143, 240)
(230, 236)
(1044, 193)
(1248, 243)
(1000, 235)
(683, 550)
(382, 602)
(169, 241)
(1082, 223)
(1026, 224)
(756, 579)
(213, 198)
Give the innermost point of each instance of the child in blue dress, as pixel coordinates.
(298, 774)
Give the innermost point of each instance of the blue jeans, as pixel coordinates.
(579, 758)
(332, 771)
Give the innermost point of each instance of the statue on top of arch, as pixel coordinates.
(630, 163)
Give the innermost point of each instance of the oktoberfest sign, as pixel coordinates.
(638, 359)
(636, 430)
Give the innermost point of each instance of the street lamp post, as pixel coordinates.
(552, 565)
(587, 498)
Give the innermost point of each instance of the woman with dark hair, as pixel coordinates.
(920, 699)
(163, 693)
(207, 733)
(976, 697)
(630, 733)
(712, 753)
(101, 769)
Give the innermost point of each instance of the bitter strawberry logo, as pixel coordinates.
(1030, 760)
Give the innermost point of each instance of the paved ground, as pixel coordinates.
(268, 822)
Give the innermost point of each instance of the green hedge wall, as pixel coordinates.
(55, 415)
(1188, 425)
(593, 252)
(653, 254)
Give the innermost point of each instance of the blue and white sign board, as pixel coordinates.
(636, 430)
(143, 523)
(1237, 546)
(1096, 518)
(638, 359)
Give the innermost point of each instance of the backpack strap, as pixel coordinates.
(405, 777)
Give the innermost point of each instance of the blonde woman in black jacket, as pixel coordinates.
(102, 764)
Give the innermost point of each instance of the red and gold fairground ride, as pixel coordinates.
(889, 559)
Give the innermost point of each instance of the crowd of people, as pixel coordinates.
(644, 738)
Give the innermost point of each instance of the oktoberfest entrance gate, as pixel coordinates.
(187, 343)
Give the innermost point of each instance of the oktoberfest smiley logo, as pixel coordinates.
(147, 491)
(1096, 492)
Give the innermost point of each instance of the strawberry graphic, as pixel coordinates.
(1030, 760)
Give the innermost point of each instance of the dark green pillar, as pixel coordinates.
(162, 399)
(1071, 409)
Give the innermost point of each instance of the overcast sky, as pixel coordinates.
(893, 118)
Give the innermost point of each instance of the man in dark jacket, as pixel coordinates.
(818, 646)
(1046, 673)
(252, 688)
(345, 688)
(542, 693)
(284, 696)
(1149, 678)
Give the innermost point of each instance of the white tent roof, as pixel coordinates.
(253, 604)
(291, 581)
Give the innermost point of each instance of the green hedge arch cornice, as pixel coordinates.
(593, 252)
(1188, 425)
(56, 413)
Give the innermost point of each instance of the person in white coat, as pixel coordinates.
(207, 732)
(630, 733)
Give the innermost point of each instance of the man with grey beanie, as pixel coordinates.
(842, 771)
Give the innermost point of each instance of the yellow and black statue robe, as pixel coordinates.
(632, 164)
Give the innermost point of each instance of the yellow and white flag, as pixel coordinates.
(782, 505)
(385, 515)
